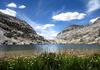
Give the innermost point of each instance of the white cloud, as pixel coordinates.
(68, 16)
(8, 11)
(12, 5)
(93, 5)
(22, 7)
(93, 20)
(46, 26)
(46, 30)
(49, 34)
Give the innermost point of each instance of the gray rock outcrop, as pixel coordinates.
(77, 34)
(16, 31)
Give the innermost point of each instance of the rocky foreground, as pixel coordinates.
(78, 34)
(16, 31)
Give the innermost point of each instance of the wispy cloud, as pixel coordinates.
(68, 16)
(44, 27)
(8, 11)
(39, 8)
(93, 5)
(49, 34)
(12, 5)
(46, 30)
(22, 7)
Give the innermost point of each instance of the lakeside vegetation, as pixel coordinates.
(52, 61)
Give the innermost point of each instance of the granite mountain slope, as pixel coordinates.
(77, 34)
(16, 31)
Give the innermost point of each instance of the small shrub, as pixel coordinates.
(52, 61)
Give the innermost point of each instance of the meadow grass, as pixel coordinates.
(51, 61)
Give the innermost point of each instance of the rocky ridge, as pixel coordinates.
(16, 31)
(76, 34)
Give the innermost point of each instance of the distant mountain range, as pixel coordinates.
(16, 31)
(78, 34)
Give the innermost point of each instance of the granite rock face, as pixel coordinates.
(16, 31)
(77, 34)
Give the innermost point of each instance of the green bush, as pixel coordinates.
(51, 62)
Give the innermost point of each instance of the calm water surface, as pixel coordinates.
(47, 47)
(24, 49)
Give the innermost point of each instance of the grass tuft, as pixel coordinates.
(51, 61)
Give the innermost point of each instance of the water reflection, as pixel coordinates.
(48, 48)
(29, 50)
(51, 48)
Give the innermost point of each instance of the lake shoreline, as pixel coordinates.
(37, 49)
(68, 52)
(51, 61)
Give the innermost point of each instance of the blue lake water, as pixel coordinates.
(48, 47)
(29, 50)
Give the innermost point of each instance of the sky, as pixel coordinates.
(49, 17)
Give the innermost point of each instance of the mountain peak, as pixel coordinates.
(18, 31)
(77, 34)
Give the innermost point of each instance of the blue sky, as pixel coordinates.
(49, 17)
